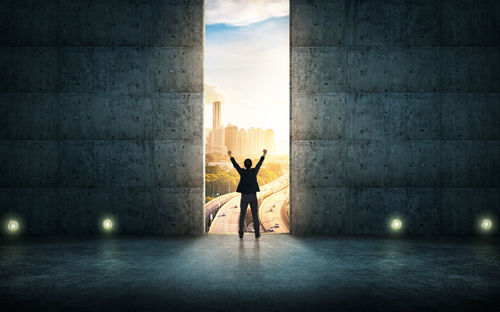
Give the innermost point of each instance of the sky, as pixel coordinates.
(247, 64)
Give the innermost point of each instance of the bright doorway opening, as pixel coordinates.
(247, 109)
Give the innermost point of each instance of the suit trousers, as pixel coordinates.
(252, 200)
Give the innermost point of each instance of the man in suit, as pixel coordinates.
(248, 187)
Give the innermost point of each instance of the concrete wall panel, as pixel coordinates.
(28, 23)
(323, 210)
(470, 23)
(393, 23)
(172, 157)
(463, 208)
(365, 164)
(318, 163)
(388, 69)
(318, 116)
(470, 69)
(468, 116)
(173, 212)
(106, 23)
(400, 116)
(124, 163)
(178, 70)
(105, 116)
(371, 210)
(320, 70)
(175, 114)
(177, 23)
(52, 116)
(318, 23)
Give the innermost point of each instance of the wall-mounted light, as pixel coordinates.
(396, 224)
(107, 225)
(486, 224)
(13, 226)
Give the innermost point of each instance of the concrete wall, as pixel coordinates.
(100, 105)
(395, 113)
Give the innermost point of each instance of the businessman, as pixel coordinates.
(248, 187)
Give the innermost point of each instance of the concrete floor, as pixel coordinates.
(275, 273)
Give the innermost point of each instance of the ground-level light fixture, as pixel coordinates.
(13, 226)
(486, 224)
(396, 224)
(107, 225)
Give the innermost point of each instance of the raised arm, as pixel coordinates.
(257, 167)
(235, 164)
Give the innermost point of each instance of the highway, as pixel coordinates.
(227, 218)
(212, 206)
(270, 212)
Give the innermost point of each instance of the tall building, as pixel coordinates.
(215, 140)
(216, 115)
(269, 141)
(261, 133)
(243, 143)
(231, 137)
(219, 139)
(253, 140)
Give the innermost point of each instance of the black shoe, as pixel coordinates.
(240, 233)
(257, 234)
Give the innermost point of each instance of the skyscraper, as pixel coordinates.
(216, 115)
(219, 140)
(254, 144)
(216, 136)
(269, 140)
(243, 142)
(231, 138)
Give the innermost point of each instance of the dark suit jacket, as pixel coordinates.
(248, 177)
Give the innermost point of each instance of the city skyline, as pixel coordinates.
(240, 141)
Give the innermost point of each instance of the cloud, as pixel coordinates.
(244, 12)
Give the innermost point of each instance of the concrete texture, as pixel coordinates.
(274, 273)
(100, 105)
(394, 112)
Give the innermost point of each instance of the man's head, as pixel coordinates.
(248, 163)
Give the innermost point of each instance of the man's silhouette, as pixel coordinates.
(248, 187)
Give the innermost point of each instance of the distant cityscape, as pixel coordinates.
(241, 142)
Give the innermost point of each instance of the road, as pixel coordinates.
(212, 206)
(229, 222)
(270, 212)
(227, 218)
